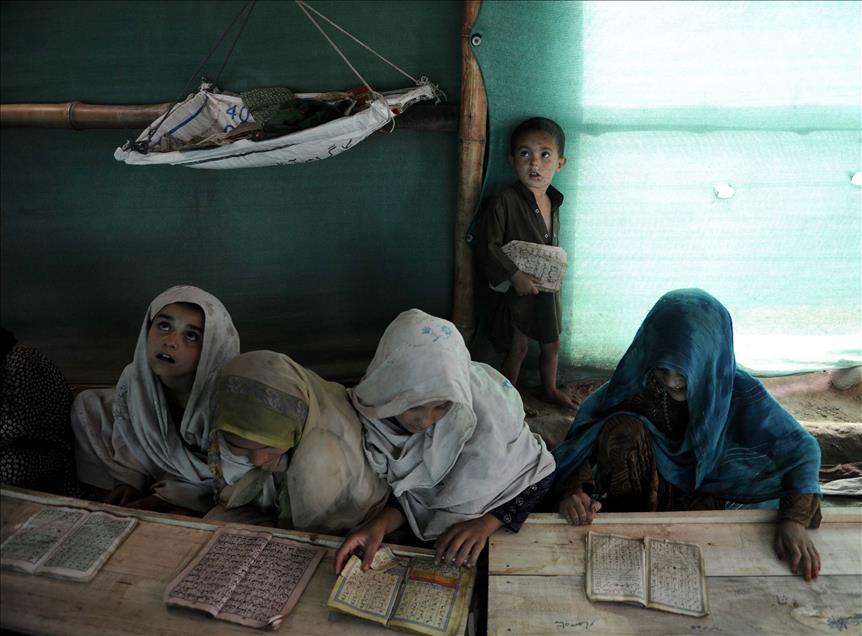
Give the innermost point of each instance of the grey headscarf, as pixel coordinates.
(128, 435)
(480, 455)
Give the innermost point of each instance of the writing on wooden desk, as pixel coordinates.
(583, 624)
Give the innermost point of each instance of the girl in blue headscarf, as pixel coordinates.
(680, 427)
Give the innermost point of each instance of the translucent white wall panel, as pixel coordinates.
(641, 218)
(730, 63)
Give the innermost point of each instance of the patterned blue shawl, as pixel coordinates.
(740, 443)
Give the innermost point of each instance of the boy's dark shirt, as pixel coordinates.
(514, 215)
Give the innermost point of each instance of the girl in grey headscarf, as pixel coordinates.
(449, 436)
(146, 442)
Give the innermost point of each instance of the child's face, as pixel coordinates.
(174, 342)
(536, 159)
(673, 383)
(424, 416)
(264, 457)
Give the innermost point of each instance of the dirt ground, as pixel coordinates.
(833, 416)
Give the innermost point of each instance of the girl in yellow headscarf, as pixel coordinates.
(289, 441)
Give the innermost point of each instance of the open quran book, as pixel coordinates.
(416, 594)
(246, 577)
(545, 262)
(655, 573)
(70, 543)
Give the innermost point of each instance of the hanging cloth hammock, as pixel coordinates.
(218, 130)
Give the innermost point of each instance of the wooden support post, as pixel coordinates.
(471, 145)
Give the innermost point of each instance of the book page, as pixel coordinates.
(546, 262)
(676, 577)
(88, 546)
(208, 581)
(273, 584)
(42, 532)
(433, 599)
(372, 594)
(615, 568)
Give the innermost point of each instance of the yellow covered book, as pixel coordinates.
(416, 594)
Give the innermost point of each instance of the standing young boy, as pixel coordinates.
(528, 210)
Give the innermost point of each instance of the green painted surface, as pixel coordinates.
(313, 260)
(661, 100)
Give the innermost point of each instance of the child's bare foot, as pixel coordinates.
(559, 397)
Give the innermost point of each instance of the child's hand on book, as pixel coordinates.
(366, 541)
(462, 543)
(525, 284)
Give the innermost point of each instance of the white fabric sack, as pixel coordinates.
(208, 113)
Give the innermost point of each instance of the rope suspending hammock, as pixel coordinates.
(270, 126)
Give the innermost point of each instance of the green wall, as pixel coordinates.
(313, 260)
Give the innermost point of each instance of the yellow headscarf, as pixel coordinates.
(328, 486)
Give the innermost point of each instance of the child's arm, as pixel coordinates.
(462, 543)
(578, 507)
(795, 514)
(576, 502)
(793, 541)
(525, 284)
(368, 538)
(492, 261)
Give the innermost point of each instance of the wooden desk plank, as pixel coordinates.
(548, 546)
(125, 597)
(528, 605)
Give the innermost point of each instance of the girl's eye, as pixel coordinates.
(524, 154)
(442, 408)
(192, 336)
(164, 326)
(546, 155)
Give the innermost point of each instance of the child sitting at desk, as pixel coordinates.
(449, 436)
(680, 427)
(289, 441)
(526, 211)
(145, 442)
(35, 438)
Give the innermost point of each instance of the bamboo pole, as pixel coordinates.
(471, 143)
(78, 115)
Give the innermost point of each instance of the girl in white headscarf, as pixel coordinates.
(449, 436)
(146, 442)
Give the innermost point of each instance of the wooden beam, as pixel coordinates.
(80, 116)
(471, 155)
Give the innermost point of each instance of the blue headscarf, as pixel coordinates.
(740, 443)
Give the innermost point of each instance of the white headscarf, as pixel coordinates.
(128, 436)
(479, 456)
